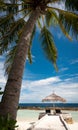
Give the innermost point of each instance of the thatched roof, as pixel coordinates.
(53, 97)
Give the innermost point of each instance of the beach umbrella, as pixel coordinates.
(53, 97)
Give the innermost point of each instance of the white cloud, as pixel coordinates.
(74, 61)
(35, 91)
(63, 69)
(47, 81)
(60, 5)
(39, 83)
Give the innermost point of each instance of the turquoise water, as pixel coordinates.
(28, 114)
(74, 115)
(32, 115)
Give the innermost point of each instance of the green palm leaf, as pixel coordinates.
(70, 24)
(9, 59)
(50, 18)
(58, 21)
(30, 45)
(72, 4)
(68, 21)
(10, 34)
(39, 23)
(48, 45)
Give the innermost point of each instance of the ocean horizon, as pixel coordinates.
(44, 105)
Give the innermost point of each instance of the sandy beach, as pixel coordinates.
(26, 121)
(73, 126)
(24, 125)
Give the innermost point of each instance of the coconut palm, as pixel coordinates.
(18, 23)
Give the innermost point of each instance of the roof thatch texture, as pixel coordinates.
(53, 97)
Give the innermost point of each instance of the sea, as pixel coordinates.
(44, 105)
(33, 114)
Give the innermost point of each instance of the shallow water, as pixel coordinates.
(32, 115)
(74, 115)
(28, 115)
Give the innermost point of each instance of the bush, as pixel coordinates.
(6, 123)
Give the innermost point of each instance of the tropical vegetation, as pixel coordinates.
(6, 123)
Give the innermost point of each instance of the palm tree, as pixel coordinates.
(18, 23)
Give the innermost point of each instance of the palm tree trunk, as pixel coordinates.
(10, 99)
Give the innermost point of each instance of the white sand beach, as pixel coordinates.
(26, 122)
(24, 125)
(73, 126)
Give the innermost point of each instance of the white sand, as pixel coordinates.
(24, 125)
(73, 126)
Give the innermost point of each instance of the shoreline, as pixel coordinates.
(51, 108)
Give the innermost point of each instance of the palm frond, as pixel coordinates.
(9, 7)
(71, 4)
(70, 24)
(2, 5)
(11, 54)
(69, 21)
(10, 34)
(39, 23)
(48, 45)
(14, 9)
(6, 19)
(50, 19)
(9, 59)
(64, 12)
(58, 21)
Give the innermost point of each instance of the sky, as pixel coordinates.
(40, 78)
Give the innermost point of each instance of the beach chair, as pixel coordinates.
(57, 111)
(48, 111)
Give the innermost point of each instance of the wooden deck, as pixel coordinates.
(50, 122)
